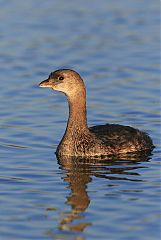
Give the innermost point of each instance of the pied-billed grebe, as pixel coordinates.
(79, 140)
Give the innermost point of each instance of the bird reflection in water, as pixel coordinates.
(79, 172)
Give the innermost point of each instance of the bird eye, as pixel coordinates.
(61, 78)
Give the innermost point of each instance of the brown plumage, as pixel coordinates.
(79, 140)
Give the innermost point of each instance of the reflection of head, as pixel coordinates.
(77, 178)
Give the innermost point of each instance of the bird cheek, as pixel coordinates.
(56, 85)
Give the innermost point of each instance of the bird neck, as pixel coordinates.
(76, 127)
(77, 113)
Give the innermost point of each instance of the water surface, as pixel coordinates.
(114, 45)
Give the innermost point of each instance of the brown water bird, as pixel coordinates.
(81, 140)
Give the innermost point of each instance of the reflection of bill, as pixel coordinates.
(79, 172)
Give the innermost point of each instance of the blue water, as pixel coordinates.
(114, 45)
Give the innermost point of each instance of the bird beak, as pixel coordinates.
(46, 83)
